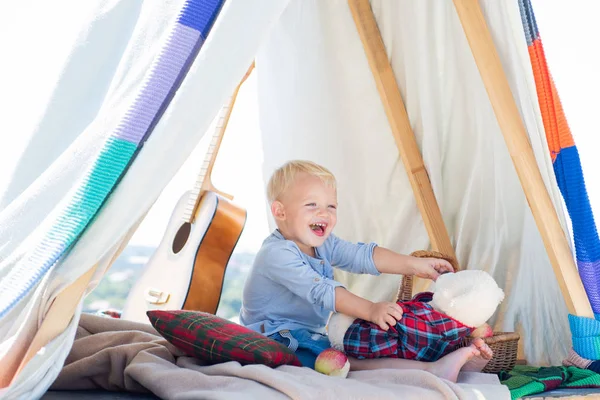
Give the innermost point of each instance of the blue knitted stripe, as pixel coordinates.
(200, 14)
(529, 23)
(569, 175)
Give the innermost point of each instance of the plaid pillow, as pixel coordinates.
(210, 338)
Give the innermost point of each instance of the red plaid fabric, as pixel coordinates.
(422, 334)
(109, 313)
(214, 339)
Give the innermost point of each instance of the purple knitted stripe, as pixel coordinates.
(169, 64)
(588, 270)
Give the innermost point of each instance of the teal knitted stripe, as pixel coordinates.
(98, 184)
(89, 197)
(109, 166)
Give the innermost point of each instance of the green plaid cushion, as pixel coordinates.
(214, 339)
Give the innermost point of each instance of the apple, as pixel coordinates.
(332, 362)
(483, 331)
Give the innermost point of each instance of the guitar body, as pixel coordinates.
(188, 267)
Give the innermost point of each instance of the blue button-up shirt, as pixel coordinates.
(287, 289)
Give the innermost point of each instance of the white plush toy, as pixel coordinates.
(470, 297)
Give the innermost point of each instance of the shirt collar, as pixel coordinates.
(318, 252)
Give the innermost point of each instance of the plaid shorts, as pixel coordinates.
(307, 345)
(422, 334)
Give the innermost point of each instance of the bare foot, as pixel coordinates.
(450, 365)
(472, 358)
(477, 363)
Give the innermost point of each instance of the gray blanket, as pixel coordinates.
(120, 355)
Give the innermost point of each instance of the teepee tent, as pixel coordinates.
(140, 82)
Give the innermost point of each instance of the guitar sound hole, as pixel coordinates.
(181, 237)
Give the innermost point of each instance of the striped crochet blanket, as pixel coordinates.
(525, 380)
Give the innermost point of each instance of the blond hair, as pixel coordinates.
(284, 176)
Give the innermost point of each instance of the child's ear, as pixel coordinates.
(278, 210)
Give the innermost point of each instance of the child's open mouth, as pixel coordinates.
(318, 228)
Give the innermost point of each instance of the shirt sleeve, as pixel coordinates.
(285, 266)
(353, 257)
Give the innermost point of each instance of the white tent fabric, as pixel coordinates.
(318, 101)
(222, 62)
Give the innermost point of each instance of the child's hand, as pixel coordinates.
(385, 314)
(430, 268)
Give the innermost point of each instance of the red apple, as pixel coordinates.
(483, 331)
(332, 362)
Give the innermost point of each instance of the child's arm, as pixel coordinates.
(360, 258)
(383, 313)
(390, 262)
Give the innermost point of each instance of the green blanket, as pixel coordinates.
(524, 380)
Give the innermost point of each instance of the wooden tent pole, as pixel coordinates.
(511, 125)
(401, 129)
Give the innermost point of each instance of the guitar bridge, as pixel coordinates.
(155, 296)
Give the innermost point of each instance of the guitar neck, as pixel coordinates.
(203, 182)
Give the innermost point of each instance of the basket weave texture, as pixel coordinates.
(503, 344)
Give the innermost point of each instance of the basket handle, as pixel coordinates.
(406, 284)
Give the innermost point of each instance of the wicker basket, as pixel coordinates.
(406, 286)
(503, 344)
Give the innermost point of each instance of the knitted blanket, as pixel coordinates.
(525, 380)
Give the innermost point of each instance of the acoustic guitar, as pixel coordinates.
(188, 267)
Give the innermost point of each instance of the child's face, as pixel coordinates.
(307, 212)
